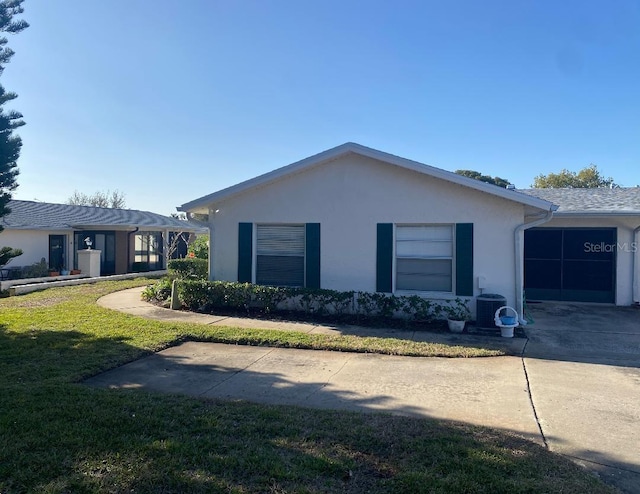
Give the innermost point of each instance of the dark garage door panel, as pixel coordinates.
(570, 264)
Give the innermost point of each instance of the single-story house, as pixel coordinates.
(355, 218)
(588, 251)
(129, 240)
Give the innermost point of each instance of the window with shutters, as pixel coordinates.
(424, 258)
(280, 251)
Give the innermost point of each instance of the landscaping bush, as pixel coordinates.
(210, 296)
(207, 296)
(36, 270)
(190, 267)
(159, 292)
(200, 247)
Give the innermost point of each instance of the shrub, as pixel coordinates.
(190, 267)
(209, 296)
(160, 291)
(36, 270)
(200, 247)
(458, 310)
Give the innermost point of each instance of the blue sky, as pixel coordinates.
(169, 101)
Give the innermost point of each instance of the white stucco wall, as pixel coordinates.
(34, 244)
(626, 249)
(348, 197)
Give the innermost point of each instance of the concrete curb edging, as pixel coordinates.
(80, 280)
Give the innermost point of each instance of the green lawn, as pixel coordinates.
(57, 435)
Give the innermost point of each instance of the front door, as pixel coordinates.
(57, 244)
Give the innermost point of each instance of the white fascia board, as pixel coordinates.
(261, 180)
(37, 228)
(596, 214)
(206, 202)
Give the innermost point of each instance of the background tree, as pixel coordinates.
(10, 143)
(587, 178)
(197, 246)
(108, 199)
(500, 182)
(7, 253)
(200, 247)
(173, 243)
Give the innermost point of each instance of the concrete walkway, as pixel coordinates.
(587, 411)
(129, 301)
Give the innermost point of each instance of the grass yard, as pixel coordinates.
(58, 436)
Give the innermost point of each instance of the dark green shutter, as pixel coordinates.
(245, 254)
(312, 253)
(464, 259)
(384, 258)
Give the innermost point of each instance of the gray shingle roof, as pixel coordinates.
(591, 201)
(28, 215)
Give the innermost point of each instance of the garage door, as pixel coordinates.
(572, 264)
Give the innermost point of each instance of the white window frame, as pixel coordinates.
(254, 273)
(452, 258)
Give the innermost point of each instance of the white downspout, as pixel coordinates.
(635, 272)
(212, 215)
(519, 251)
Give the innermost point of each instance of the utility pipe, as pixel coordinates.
(519, 236)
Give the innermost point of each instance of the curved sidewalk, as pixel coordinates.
(129, 301)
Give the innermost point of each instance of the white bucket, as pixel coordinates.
(507, 332)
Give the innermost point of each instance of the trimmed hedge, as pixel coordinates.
(189, 267)
(210, 296)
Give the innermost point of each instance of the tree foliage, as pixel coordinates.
(587, 178)
(500, 182)
(108, 199)
(10, 143)
(200, 247)
(7, 253)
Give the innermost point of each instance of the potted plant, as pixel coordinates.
(458, 314)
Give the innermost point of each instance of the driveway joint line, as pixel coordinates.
(533, 405)
(326, 383)
(233, 374)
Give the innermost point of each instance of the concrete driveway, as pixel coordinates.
(583, 366)
(586, 333)
(575, 386)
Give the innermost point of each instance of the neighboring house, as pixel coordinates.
(129, 240)
(354, 218)
(589, 251)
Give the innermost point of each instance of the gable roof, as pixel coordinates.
(202, 204)
(29, 215)
(618, 201)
